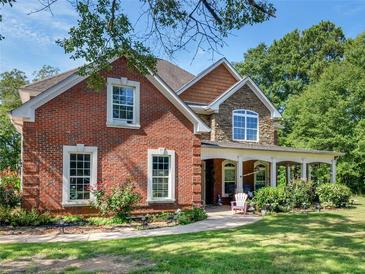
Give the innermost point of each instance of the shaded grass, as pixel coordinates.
(327, 242)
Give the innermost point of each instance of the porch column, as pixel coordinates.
(309, 172)
(304, 170)
(288, 175)
(239, 175)
(273, 173)
(333, 171)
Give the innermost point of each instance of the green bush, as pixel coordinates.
(9, 191)
(23, 217)
(120, 201)
(192, 215)
(161, 217)
(272, 198)
(334, 195)
(301, 193)
(115, 220)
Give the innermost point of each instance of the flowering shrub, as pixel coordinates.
(119, 201)
(334, 195)
(301, 193)
(272, 198)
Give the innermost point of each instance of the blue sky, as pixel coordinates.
(30, 39)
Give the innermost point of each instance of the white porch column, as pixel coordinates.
(309, 172)
(333, 171)
(239, 175)
(288, 175)
(304, 171)
(273, 173)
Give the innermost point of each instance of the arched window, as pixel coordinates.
(261, 174)
(245, 125)
(229, 178)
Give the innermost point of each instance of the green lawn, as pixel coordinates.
(326, 242)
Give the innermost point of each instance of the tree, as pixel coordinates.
(330, 114)
(104, 29)
(44, 72)
(291, 63)
(10, 82)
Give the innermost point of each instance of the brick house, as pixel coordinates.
(182, 139)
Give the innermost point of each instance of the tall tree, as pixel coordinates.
(44, 72)
(105, 29)
(10, 82)
(330, 114)
(291, 63)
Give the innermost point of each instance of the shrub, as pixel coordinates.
(5, 216)
(301, 193)
(9, 191)
(334, 195)
(23, 217)
(192, 215)
(272, 198)
(115, 220)
(119, 201)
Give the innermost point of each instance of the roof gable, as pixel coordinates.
(26, 112)
(222, 71)
(236, 87)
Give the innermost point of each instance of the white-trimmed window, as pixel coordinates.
(245, 125)
(161, 175)
(79, 174)
(228, 178)
(123, 103)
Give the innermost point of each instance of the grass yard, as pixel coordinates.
(326, 242)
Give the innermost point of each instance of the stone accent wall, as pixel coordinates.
(78, 116)
(242, 99)
(207, 120)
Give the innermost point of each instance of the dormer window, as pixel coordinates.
(245, 125)
(123, 103)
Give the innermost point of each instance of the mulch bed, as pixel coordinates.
(77, 229)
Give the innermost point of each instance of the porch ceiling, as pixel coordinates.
(269, 153)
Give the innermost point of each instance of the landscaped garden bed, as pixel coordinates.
(115, 207)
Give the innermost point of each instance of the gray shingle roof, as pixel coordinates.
(171, 74)
(265, 147)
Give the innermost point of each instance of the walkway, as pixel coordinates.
(217, 219)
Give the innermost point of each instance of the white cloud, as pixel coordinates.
(14, 29)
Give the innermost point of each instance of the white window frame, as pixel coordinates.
(224, 194)
(123, 82)
(171, 186)
(266, 165)
(79, 148)
(245, 129)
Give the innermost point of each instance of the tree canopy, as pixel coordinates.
(44, 72)
(330, 114)
(10, 82)
(105, 29)
(291, 63)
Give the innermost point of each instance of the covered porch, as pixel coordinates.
(228, 168)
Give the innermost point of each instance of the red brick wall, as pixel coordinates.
(210, 86)
(78, 116)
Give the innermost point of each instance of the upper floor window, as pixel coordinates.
(123, 103)
(245, 125)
